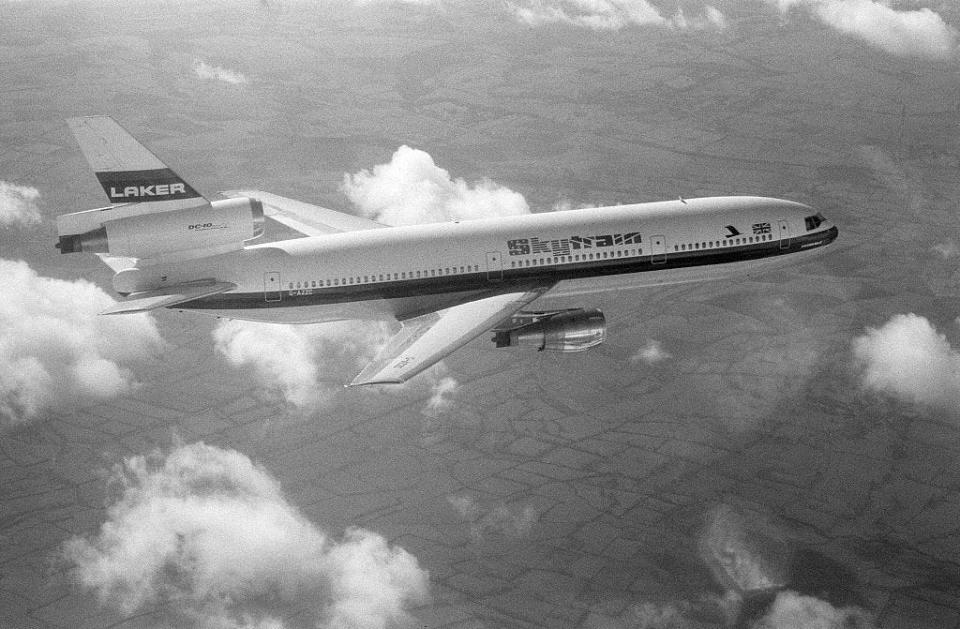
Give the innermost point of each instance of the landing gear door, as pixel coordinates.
(784, 235)
(494, 266)
(658, 250)
(271, 286)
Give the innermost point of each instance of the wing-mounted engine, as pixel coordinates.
(136, 231)
(573, 330)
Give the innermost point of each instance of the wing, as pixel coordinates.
(427, 339)
(309, 220)
(169, 296)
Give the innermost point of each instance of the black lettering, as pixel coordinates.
(518, 247)
(538, 246)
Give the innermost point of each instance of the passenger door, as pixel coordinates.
(785, 235)
(271, 286)
(658, 250)
(494, 266)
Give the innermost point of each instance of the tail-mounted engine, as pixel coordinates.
(130, 231)
(572, 330)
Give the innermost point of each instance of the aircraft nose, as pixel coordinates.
(831, 235)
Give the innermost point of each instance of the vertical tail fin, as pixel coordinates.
(127, 170)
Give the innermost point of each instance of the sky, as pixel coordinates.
(732, 444)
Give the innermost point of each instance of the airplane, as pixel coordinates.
(445, 283)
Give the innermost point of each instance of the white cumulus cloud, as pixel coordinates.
(610, 14)
(441, 398)
(18, 204)
(500, 520)
(306, 364)
(206, 536)
(651, 353)
(208, 72)
(918, 32)
(411, 189)
(795, 611)
(744, 550)
(909, 358)
(55, 350)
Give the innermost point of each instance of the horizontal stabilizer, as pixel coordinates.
(169, 296)
(309, 220)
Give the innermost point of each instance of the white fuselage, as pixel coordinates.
(405, 271)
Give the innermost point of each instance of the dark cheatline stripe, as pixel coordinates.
(133, 186)
(520, 278)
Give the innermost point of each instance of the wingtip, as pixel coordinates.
(364, 383)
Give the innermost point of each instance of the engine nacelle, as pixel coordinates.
(125, 231)
(564, 331)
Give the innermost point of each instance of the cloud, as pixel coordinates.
(306, 364)
(651, 353)
(708, 610)
(947, 250)
(795, 611)
(18, 204)
(891, 174)
(441, 399)
(216, 73)
(609, 14)
(205, 535)
(55, 351)
(595, 14)
(426, 3)
(412, 189)
(744, 550)
(513, 521)
(920, 32)
(908, 358)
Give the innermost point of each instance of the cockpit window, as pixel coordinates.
(814, 221)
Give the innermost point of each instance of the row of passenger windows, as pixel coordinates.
(386, 277)
(600, 255)
(383, 277)
(711, 244)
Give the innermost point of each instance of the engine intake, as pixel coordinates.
(564, 331)
(125, 231)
